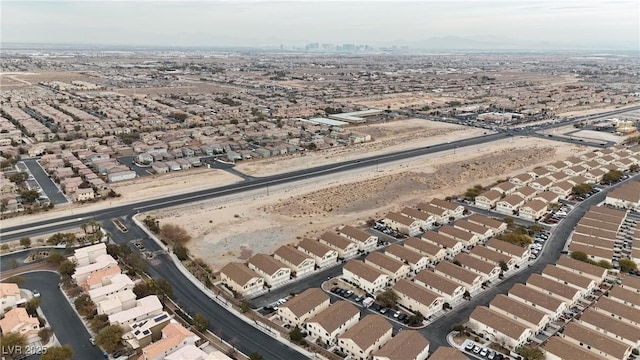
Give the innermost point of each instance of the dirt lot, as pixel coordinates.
(400, 100)
(233, 228)
(387, 137)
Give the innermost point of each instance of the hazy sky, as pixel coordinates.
(579, 23)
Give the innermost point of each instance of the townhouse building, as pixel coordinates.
(414, 259)
(551, 287)
(434, 253)
(299, 262)
(322, 254)
(417, 298)
(488, 199)
(579, 282)
(332, 322)
(449, 290)
(547, 303)
(557, 348)
(365, 337)
(519, 254)
(364, 276)
(242, 280)
(346, 249)
(488, 271)
(406, 345)
(303, 306)
(470, 280)
(402, 223)
(271, 270)
(595, 342)
(499, 328)
(366, 242)
(452, 246)
(467, 239)
(394, 268)
(509, 205)
(527, 315)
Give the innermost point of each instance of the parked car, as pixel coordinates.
(384, 309)
(469, 346)
(484, 352)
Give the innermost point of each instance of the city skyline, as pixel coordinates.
(418, 24)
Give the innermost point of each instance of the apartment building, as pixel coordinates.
(332, 322)
(365, 337)
(414, 259)
(557, 348)
(582, 268)
(579, 282)
(402, 223)
(239, 278)
(364, 276)
(452, 247)
(406, 345)
(426, 220)
(541, 301)
(481, 231)
(610, 326)
(551, 287)
(487, 270)
(450, 291)
(499, 328)
(366, 242)
(470, 280)
(519, 254)
(322, 254)
(394, 268)
(595, 342)
(613, 309)
(497, 226)
(299, 262)
(271, 270)
(488, 199)
(417, 298)
(492, 256)
(346, 249)
(467, 239)
(433, 252)
(527, 315)
(453, 210)
(303, 306)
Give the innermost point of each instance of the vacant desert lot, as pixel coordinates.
(232, 228)
(387, 137)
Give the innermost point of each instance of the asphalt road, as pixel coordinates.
(60, 315)
(46, 184)
(192, 300)
(257, 183)
(128, 161)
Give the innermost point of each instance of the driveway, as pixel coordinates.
(61, 316)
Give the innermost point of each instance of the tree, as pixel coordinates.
(26, 242)
(55, 258)
(446, 306)
(109, 337)
(45, 334)
(99, 322)
(604, 264)
(200, 322)
(509, 220)
(458, 327)
(580, 255)
(174, 234)
(245, 306)
(158, 287)
(141, 290)
(466, 295)
(296, 335)
(29, 196)
(471, 193)
(312, 146)
(13, 340)
(181, 252)
(388, 298)
(503, 265)
(634, 167)
(627, 265)
(529, 353)
(416, 319)
(581, 189)
(612, 176)
(536, 228)
(136, 263)
(255, 356)
(66, 267)
(32, 306)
